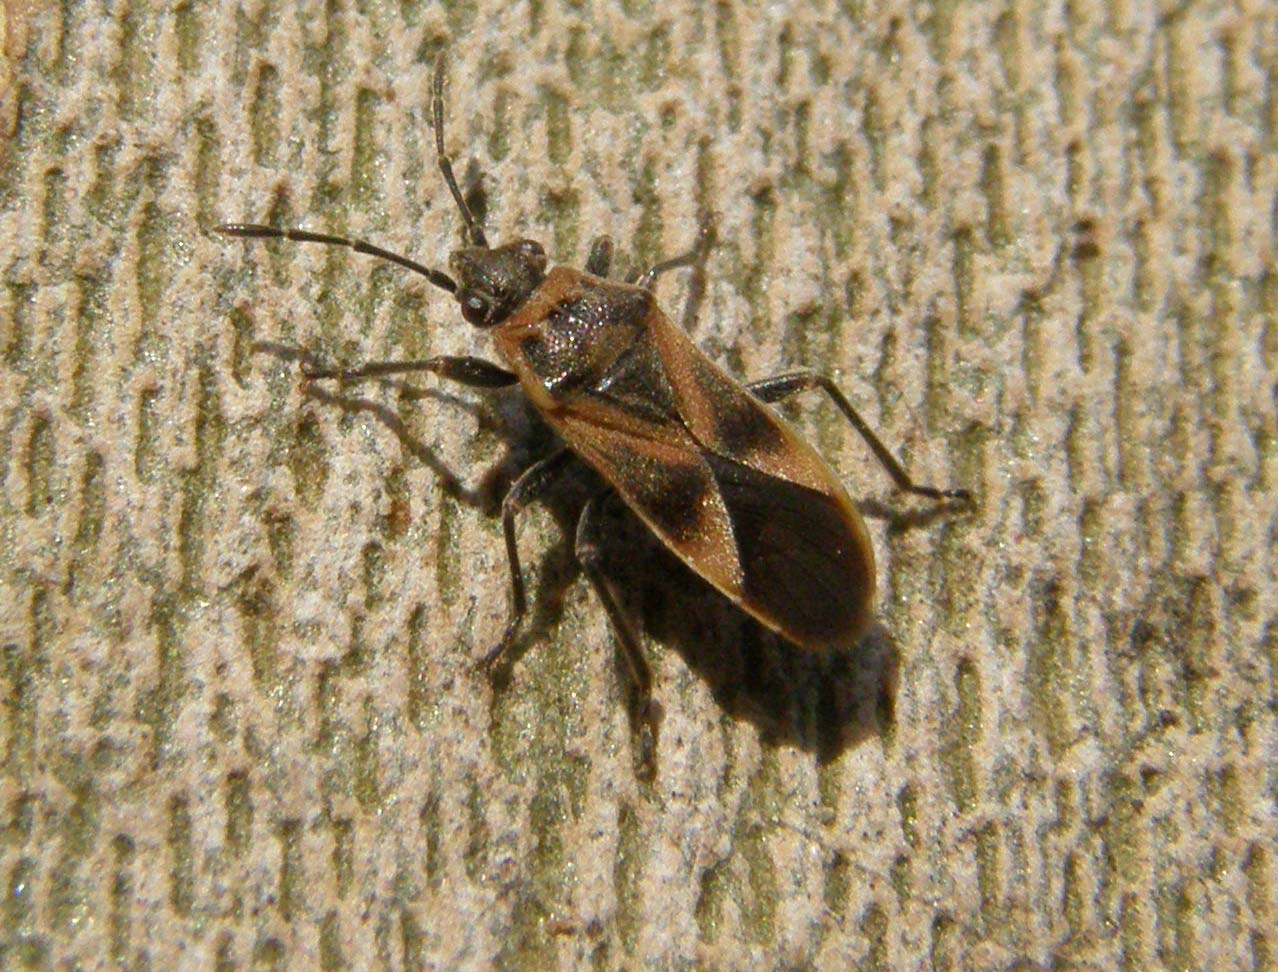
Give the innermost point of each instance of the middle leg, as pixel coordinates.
(528, 487)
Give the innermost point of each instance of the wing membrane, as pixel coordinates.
(805, 565)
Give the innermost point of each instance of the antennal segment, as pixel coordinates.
(254, 231)
(446, 164)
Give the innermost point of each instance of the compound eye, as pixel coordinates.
(475, 308)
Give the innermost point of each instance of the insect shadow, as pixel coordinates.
(822, 703)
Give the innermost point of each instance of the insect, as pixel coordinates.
(717, 475)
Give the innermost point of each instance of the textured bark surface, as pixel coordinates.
(241, 722)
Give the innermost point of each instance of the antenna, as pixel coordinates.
(473, 229)
(255, 231)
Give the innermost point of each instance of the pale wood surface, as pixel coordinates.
(241, 725)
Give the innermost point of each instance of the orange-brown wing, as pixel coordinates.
(716, 474)
(731, 489)
(663, 476)
(807, 558)
(790, 555)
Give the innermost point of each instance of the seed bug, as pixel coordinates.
(718, 476)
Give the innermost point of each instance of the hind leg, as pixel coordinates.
(646, 712)
(783, 386)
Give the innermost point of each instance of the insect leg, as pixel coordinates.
(586, 548)
(530, 485)
(705, 239)
(783, 386)
(649, 276)
(600, 260)
(475, 372)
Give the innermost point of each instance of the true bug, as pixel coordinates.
(719, 477)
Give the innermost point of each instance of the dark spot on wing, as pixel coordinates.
(745, 428)
(803, 564)
(742, 426)
(672, 497)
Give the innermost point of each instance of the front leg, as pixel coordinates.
(599, 263)
(475, 372)
(705, 240)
